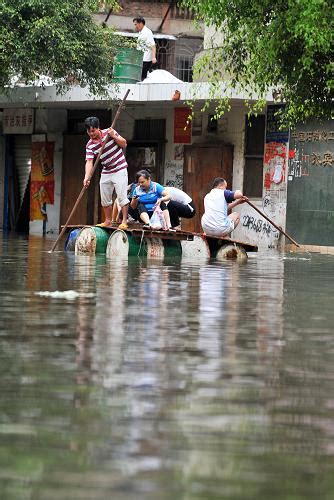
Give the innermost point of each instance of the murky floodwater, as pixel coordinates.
(165, 380)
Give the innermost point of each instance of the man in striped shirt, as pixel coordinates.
(114, 173)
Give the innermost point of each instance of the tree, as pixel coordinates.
(282, 45)
(56, 38)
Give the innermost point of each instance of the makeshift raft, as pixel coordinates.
(137, 241)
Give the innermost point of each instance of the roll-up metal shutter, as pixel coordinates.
(22, 156)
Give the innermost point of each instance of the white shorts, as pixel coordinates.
(117, 181)
(226, 230)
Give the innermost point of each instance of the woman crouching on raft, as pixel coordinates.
(146, 197)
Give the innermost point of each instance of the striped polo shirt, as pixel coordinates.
(112, 158)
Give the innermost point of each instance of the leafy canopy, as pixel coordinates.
(281, 45)
(56, 38)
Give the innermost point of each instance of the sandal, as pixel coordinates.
(103, 224)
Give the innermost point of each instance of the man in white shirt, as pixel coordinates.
(145, 43)
(215, 220)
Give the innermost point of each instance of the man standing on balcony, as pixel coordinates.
(146, 43)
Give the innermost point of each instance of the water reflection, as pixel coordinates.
(164, 380)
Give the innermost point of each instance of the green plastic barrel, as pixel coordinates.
(122, 244)
(91, 240)
(157, 248)
(154, 248)
(128, 65)
(172, 248)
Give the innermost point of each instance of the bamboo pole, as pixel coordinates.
(272, 223)
(83, 190)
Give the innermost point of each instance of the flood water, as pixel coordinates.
(165, 380)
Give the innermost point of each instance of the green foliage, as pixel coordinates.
(56, 38)
(284, 46)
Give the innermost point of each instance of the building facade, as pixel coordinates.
(42, 145)
(158, 138)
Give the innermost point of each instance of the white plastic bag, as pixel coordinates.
(157, 220)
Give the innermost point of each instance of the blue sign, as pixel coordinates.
(273, 131)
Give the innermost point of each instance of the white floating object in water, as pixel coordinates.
(67, 294)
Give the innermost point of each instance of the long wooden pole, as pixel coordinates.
(272, 223)
(83, 190)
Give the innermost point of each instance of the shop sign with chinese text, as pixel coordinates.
(18, 121)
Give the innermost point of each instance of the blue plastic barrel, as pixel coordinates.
(70, 240)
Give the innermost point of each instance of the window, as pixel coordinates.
(165, 53)
(177, 56)
(149, 130)
(254, 149)
(76, 119)
(184, 68)
(146, 150)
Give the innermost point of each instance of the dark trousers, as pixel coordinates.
(147, 68)
(177, 210)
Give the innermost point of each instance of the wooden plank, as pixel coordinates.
(164, 235)
(148, 233)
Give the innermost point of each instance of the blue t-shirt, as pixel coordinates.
(150, 197)
(132, 190)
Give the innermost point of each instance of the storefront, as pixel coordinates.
(188, 155)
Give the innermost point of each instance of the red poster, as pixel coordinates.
(42, 179)
(182, 126)
(274, 163)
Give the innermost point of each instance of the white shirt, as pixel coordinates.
(215, 210)
(145, 43)
(178, 195)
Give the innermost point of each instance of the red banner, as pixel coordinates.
(42, 179)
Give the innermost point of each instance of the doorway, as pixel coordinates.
(17, 183)
(146, 150)
(73, 174)
(201, 165)
(147, 156)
